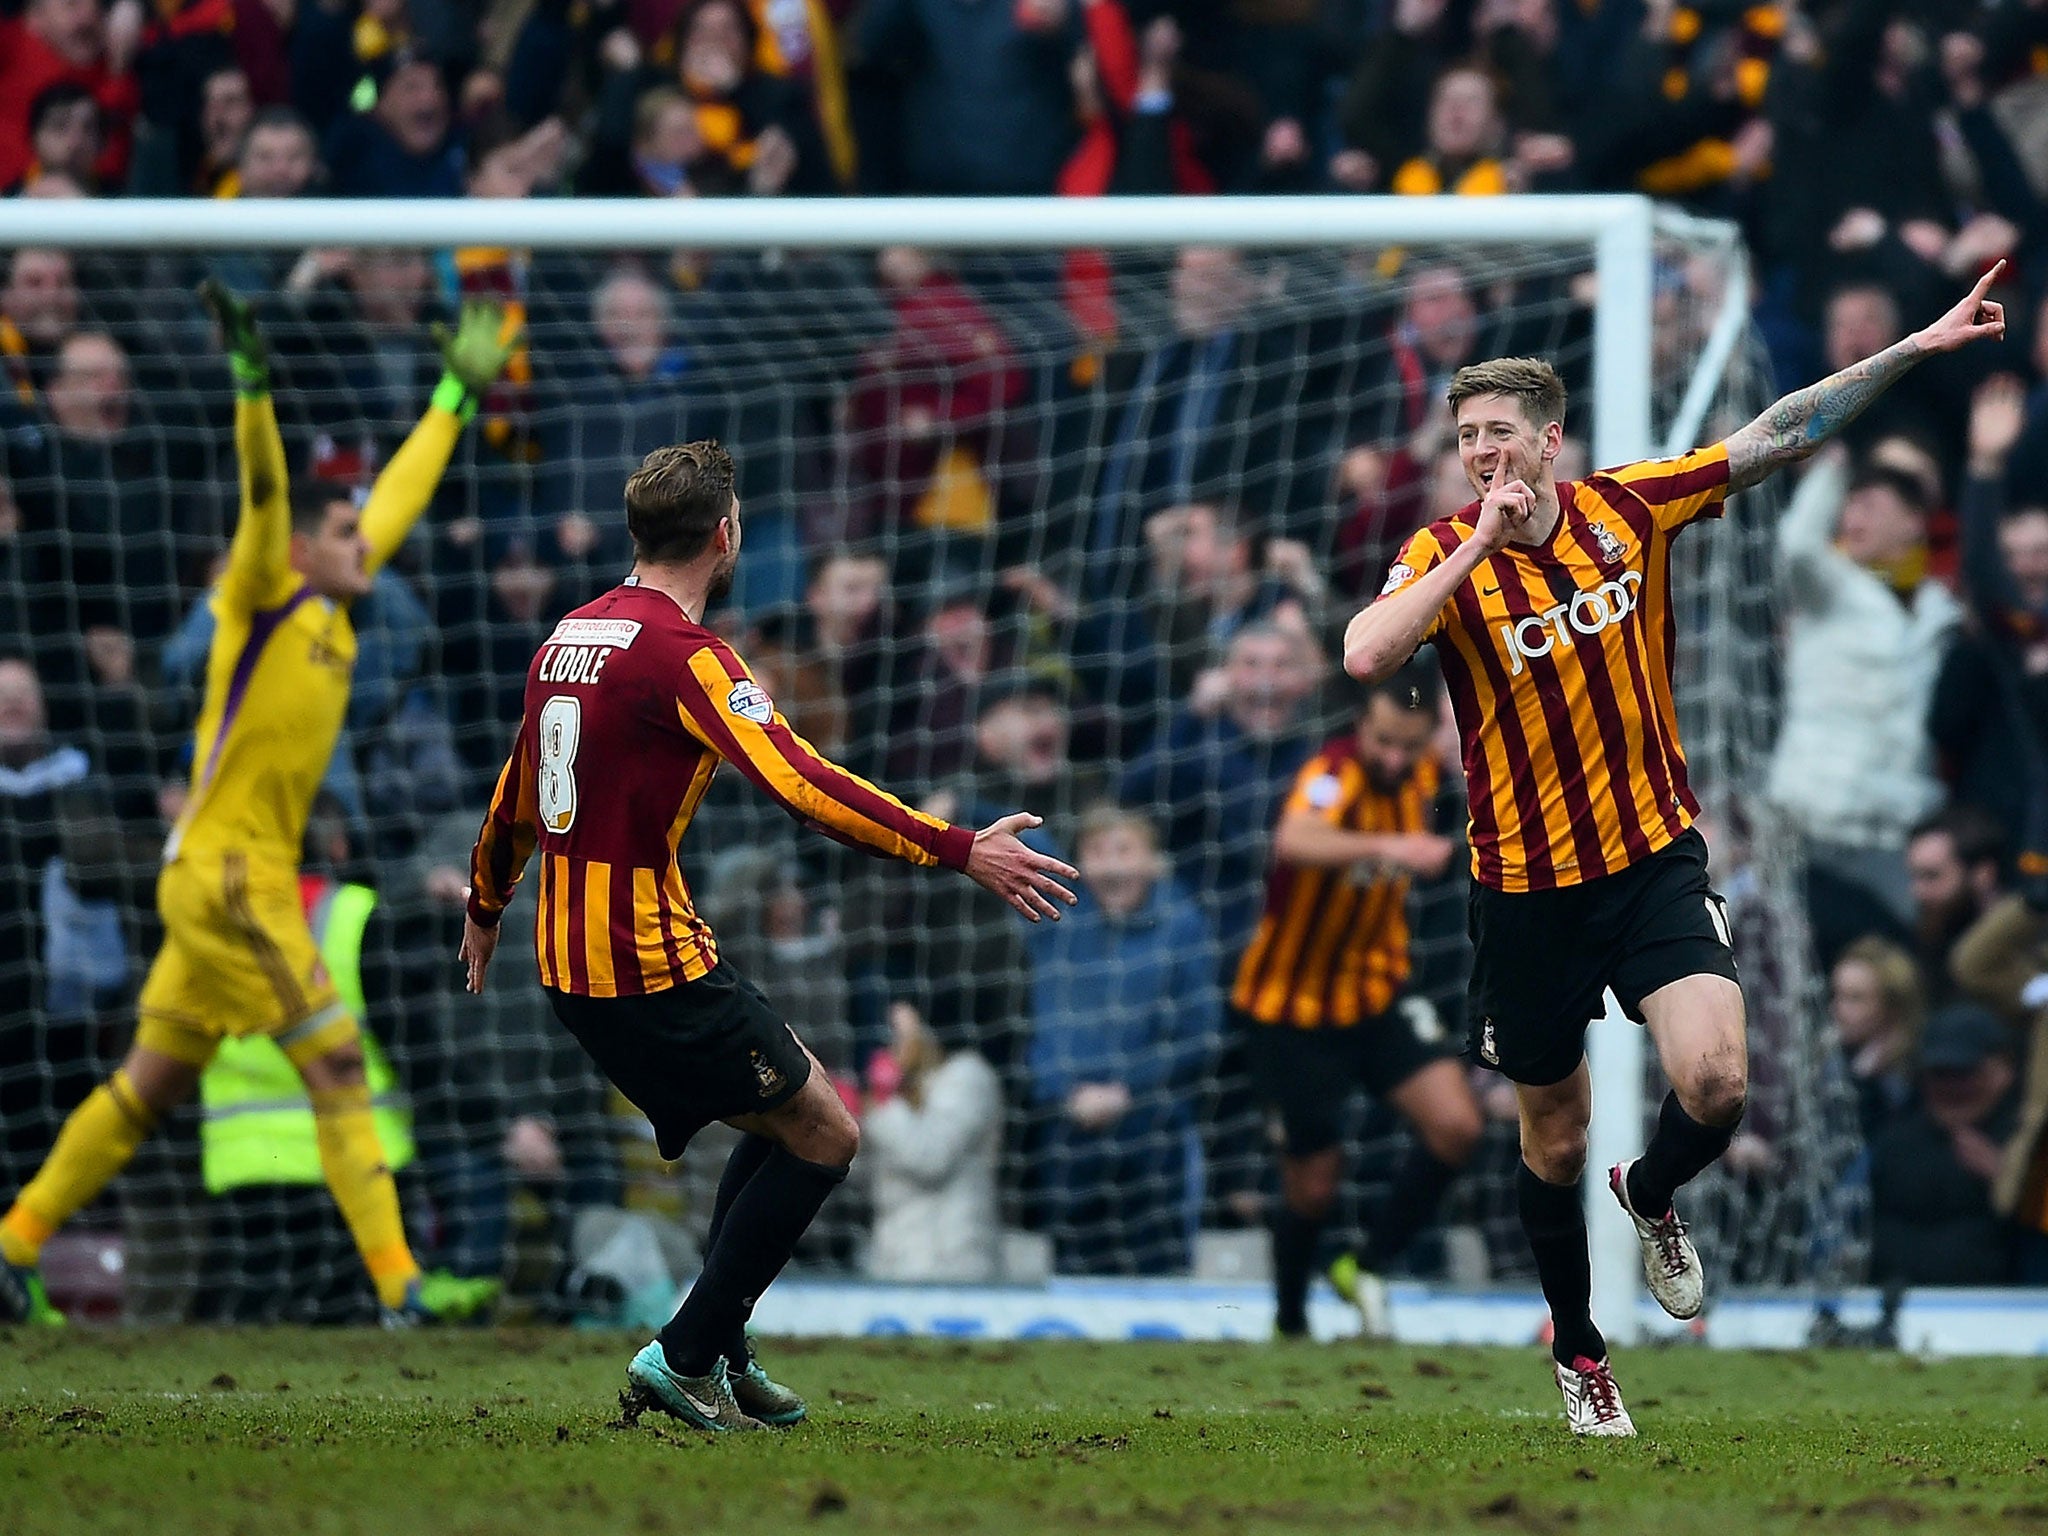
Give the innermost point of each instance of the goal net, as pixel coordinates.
(1059, 507)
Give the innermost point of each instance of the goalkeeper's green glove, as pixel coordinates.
(248, 358)
(474, 353)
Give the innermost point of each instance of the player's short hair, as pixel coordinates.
(310, 500)
(676, 499)
(1529, 379)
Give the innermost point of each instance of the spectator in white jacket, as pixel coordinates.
(1866, 631)
(931, 1149)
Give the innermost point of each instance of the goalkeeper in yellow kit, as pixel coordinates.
(238, 956)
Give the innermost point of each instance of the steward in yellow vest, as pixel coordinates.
(256, 1123)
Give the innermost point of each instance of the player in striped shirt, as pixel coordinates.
(1321, 994)
(1549, 602)
(631, 705)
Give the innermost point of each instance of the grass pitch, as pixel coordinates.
(517, 1432)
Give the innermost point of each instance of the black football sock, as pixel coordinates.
(1554, 1218)
(770, 1213)
(744, 1162)
(1680, 1148)
(1417, 1191)
(1295, 1237)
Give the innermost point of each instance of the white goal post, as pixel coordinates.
(1621, 232)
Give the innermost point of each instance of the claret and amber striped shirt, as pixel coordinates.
(1331, 948)
(1558, 658)
(630, 708)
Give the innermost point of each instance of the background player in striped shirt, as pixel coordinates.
(1320, 994)
(631, 706)
(238, 956)
(1550, 607)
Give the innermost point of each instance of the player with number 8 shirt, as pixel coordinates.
(1550, 608)
(631, 706)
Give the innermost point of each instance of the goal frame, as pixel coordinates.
(1620, 230)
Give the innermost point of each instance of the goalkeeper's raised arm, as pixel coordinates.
(262, 569)
(259, 571)
(239, 957)
(473, 355)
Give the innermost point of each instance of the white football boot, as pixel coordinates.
(1671, 1264)
(1592, 1402)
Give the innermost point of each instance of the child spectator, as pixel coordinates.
(1125, 1011)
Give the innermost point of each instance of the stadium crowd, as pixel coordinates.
(1062, 533)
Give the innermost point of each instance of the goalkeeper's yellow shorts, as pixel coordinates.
(238, 959)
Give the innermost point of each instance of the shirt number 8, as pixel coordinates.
(561, 728)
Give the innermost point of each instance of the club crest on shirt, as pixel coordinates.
(750, 701)
(765, 1073)
(1611, 548)
(1397, 574)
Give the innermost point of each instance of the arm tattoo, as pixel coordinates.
(1797, 425)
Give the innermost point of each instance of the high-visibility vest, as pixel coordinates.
(256, 1121)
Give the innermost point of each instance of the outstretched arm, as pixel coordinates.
(721, 705)
(475, 355)
(1797, 426)
(259, 570)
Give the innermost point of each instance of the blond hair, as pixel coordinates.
(1529, 379)
(1899, 988)
(1106, 816)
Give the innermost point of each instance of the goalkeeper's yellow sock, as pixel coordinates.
(95, 1144)
(353, 1161)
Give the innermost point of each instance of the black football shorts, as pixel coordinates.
(704, 1050)
(1541, 959)
(1306, 1077)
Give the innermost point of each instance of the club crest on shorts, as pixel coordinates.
(1610, 547)
(750, 701)
(1421, 1017)
(765, 1073)
(1489, 1051)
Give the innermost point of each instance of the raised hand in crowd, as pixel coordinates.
(1998, 414)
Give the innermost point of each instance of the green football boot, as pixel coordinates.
(1367, 1291)
(438, 1298)
(761, 1397)
(702, 1402)
(24, 1300)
